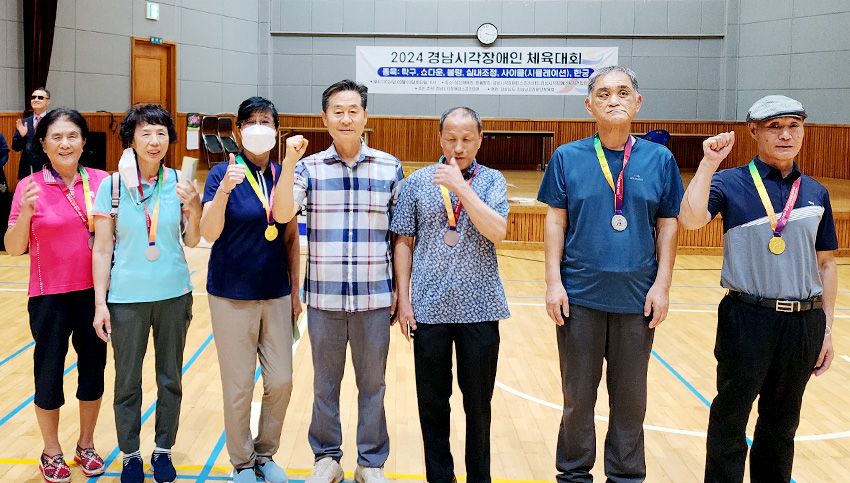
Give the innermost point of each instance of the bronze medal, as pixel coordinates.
(776, 245)
(451, 238)
(91, 242)
(271, 232)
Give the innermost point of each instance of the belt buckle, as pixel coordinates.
(788, 305)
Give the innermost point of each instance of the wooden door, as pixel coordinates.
(154, 78)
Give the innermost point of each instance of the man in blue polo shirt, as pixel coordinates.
(774, 325)
(610, 244)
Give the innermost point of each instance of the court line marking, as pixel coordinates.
(32, 398)
(17, 353)
(116, 451)
(216, 451)
(702, 434)
(846, 358)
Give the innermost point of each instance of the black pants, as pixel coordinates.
(587, 338)
(764, 353)
(53, 319)
(477, 348)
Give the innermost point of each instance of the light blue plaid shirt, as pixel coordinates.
(458, 284)
(348, 209)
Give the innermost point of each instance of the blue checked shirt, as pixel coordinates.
(348, 209)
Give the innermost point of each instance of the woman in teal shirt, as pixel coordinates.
(147, 286)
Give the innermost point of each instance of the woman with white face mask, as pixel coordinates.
(252, 283)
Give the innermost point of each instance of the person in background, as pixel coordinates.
(52, 216)
(252, 283)
(24, 129)
(148, 287)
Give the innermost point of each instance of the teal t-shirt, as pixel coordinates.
(134, 277)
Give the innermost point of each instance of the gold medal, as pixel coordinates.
(776, 245)
(271, 232)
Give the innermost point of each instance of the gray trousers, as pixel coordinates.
(245, 330)
(587, 337)
(131, 324)
(368, 333)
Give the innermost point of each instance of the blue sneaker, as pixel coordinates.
(245, 475)
(271, 472)
(163, 469)
(133, 471)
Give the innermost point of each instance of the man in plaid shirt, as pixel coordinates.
(348, 193)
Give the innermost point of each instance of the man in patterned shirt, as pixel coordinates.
(448, 219)
(348, 193)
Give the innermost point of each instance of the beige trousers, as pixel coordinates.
(245, 330)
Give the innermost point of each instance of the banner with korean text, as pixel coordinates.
(479, 70)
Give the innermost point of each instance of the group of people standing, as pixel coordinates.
(107, 265)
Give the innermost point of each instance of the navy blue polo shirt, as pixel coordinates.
(601, 268)
(243, 264)
(748, 265)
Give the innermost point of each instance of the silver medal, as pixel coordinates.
(91, 242)
(152, 253)
(451, 237)
(618, 222)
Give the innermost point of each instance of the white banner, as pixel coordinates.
(479, 70)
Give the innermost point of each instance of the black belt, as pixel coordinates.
(813, 303)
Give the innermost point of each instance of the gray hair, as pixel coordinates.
(607, 70)
(466, 111)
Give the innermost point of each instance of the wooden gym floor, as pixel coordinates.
(526, 403)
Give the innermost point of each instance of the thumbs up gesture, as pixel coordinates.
(449, 175)
(234, 175)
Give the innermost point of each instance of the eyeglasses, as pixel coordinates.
(40, 98)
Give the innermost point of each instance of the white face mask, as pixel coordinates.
(258, 139)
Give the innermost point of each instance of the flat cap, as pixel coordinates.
(769, 107)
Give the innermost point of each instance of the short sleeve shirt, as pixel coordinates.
(348, 210)
(134, 277)
(458, 284)
(60, 258)
(244, 265)
(748, 265)
(601, 268)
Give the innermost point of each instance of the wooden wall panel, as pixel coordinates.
(415, 139)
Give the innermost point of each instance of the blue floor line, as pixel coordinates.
(31, 399)
(17, 353)
(116, 451)
(692, 389)
(205, 472)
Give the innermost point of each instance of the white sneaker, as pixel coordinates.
(327, 470)
(369, 475)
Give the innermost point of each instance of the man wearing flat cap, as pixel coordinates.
(774, 324)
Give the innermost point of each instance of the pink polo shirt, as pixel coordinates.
(60, 259)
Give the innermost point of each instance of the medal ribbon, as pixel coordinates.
(618, 191)
(86, 217)
(152, 223)
(268, 204)
(454, 215)
(776, 225)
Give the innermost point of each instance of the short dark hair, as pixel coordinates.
(48, 119)
(42, 89)
(152, 114)
(255, 104)
(466, 111)
(341, 86)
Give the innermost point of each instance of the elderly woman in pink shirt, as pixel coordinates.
(52, 216)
